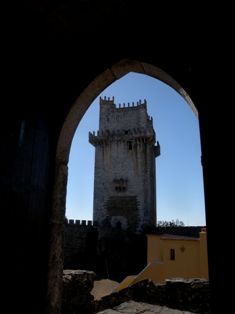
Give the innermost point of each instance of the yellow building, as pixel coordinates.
(173, 256)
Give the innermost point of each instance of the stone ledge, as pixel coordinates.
(186, 295)
(142, 308)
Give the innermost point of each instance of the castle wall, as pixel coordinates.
(108, 252)
(80, 244)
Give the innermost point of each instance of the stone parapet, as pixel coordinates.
(183, 294)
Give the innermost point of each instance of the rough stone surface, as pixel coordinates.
(77, 285)
(142, 308)
(80, 245)
(185, 295)
(125, 151)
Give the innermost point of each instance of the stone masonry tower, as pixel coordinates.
(125, 151)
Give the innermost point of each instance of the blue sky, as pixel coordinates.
(180, 193)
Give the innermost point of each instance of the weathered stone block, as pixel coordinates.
(77, 285)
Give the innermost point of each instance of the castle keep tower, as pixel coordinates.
(125, 151)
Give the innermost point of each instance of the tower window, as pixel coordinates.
(172, 254)
(120, 188)
(120, 185)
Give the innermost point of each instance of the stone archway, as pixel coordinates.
(75, 115)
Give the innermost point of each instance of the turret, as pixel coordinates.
(125, 151)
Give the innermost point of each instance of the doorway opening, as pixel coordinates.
(76, 114)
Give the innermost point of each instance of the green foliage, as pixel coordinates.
(172, 223)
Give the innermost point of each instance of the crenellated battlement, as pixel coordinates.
(121, 132)
(76, 222)
(132, 106)
(136, 134)
(123, 116)
(107, 101)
